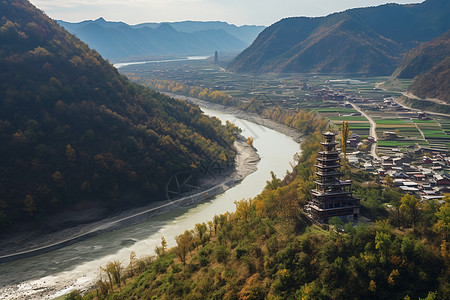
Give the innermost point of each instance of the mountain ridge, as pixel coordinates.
(353, 41)
(119, 41)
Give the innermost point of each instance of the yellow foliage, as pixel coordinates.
(372, 286)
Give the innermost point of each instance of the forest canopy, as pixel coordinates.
(75, 133)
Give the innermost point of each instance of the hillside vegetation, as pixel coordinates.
(364, 40)
(268, 249)
(75, 134)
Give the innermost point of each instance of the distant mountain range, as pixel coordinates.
(365, 40)
(429, 64)
(118, 41)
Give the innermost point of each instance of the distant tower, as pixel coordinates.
(216, 58)
(332, 197)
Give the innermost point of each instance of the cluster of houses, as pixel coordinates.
(423, 176)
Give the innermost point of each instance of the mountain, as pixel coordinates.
(364, 40)
(429, 64)
(424, 57)
(435, 83)
(77, 135)
(246, 33)
(118, 41)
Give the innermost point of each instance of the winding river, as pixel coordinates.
(76, 266)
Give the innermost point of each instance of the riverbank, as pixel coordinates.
(77, 266)
(26, 246)
(252, 117)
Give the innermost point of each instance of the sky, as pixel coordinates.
(238, 12)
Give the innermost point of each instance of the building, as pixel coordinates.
(332, 196)
(216, 58)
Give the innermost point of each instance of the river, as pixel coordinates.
(76, 266)
(120, 65)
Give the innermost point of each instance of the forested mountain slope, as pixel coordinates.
(364, 40)
(429, 64)
(75, 134)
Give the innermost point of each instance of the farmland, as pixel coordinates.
(396, 126)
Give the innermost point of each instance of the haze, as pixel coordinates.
(239, 12)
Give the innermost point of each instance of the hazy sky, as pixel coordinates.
(239, 12)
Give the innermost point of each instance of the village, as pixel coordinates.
(418, 167)
(403, 147)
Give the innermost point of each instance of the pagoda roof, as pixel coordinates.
(337, 166)
(328, 133)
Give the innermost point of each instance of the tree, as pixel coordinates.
(30, 205)
(336, 222)
(443, 223)
(411, 208)
(114, 272)
(163, 244)
(71, 154)
(250, 141)
(184, 242)
(222, 253)
(345, 131)
(131, 266)
(200, 230)
(274, 183)
(388, 180)
(382, 244)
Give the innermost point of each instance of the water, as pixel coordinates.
(120, 65)
(76, 266)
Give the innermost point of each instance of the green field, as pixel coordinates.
(337, 110)
(349, 118)
(401, 143)
(392, 121)
(424, 121)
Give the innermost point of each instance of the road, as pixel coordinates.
(372, 131)
(421, 110)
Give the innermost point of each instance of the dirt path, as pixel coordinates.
(372, 131)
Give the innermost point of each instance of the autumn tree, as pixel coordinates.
(184, 243)
(411, 209)
(345, 132)
(132, 266)
(113, 270)
(442, 225)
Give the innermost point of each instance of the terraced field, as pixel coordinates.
(434, 133)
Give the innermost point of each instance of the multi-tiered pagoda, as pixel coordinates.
(332, 196)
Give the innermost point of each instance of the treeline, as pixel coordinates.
(170, 86)
(268, 249)
(304, 121)
(75, 134)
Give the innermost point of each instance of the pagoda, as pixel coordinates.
(332, 197)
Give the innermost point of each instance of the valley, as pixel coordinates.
(307, 159)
